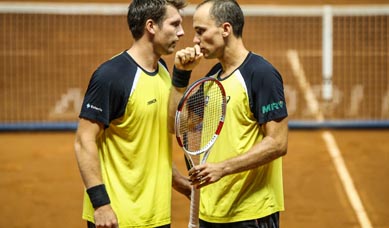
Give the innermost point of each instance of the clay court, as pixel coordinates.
(335, 172)
(41, 187)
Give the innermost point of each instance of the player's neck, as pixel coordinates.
(234, 56)
(144, 56)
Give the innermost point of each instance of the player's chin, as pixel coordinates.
(206, 55)
(171, 49)
(167, 51)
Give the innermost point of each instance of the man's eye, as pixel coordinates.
(199, 31)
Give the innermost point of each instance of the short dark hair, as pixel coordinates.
(140, 11)
(227, 11)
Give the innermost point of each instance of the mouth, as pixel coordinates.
(173, 44)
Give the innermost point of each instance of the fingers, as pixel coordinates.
(196, 176)
(105, 217)
(193, 171)
(197, 50)
(188, 58)
(205, 174)
(187, 55)
(201, 181)
(203, 184)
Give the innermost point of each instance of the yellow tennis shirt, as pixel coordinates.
(258, 192)
(135, 148)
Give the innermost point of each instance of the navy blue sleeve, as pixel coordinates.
(107, 93)
(267, 91)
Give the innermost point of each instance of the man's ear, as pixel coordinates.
(227, 29)
(150, 26)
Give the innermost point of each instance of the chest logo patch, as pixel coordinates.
(152, 101)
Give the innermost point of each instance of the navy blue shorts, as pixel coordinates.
(271, 221)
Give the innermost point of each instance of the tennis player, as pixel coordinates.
(241, 183)
(123, 145)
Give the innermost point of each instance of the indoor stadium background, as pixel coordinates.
(333, 56)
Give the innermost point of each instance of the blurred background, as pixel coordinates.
(333, 56)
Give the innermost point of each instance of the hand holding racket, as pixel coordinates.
(199, 120)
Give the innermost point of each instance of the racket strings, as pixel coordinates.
(201, 115)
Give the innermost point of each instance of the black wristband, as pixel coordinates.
(98, 195)
(180, 78)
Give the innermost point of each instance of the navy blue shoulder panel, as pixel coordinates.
(265, 88)
(109, 89)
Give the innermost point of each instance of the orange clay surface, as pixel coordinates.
(40, 185)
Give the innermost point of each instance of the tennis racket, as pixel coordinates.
(199, 119)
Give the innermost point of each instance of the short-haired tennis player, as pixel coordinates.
(123, 145)
(241, 182)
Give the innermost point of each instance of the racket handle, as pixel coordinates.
(194, 208)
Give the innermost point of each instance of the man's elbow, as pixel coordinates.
(283, 152)
(283, 148)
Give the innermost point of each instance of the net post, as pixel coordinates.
(327, 49)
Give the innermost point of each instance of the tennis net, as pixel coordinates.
(334, 59)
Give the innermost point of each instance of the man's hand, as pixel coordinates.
(188, 58)
(181, 183)
(105, 217)
(205, 174)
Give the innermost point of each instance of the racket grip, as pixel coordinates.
(194, 208)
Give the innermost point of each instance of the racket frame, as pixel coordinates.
(181, 106)
(195, 193)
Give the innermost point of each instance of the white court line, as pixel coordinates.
(299, 74)
(329, 139)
